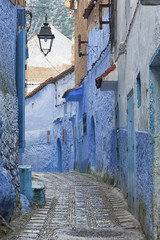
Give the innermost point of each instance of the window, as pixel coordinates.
(84, 123)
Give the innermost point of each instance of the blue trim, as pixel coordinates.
(154, 59)
(75, 95)
(20, 82)
(27, 53)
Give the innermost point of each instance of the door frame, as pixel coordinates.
(130, 148)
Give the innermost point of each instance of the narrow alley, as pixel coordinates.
(80, 119)
(78, 207)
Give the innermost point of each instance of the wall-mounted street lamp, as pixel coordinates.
(45, 38)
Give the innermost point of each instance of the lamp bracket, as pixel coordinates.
(30, 21)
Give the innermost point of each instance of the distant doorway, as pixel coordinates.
(130, 101)
(93, 144)
(59, 155)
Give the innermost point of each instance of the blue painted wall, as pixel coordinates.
(98, 105)
(44, 114)
(8, 106)
(143, 176)
(123, 154)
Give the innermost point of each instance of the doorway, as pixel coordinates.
(130, 104)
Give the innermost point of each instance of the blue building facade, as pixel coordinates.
(50, 123)
(95, 115)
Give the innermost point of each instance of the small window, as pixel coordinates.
(48, 136)
(138, 91)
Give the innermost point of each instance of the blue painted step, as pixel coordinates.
(38, 191)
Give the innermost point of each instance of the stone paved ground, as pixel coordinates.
(78, 207)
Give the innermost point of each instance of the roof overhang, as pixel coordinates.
(150, 2)
(73, 95)
(108, 81)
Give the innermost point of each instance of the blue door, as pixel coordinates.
(59, 155)
(20, 82)
(131, 149)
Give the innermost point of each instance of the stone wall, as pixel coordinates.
(8, 100)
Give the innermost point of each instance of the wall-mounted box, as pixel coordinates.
(150, 2)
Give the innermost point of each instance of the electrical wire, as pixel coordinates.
(47, 59)
(50, 65)
(94, 64)
(130, 26)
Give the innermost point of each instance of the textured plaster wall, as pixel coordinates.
(47, 111)
(123, 154)
(8, 106)
(155, 128)
(60, 87)
(143, 38)
(99, 105)
(68, 143)
(39, 119)
(143, 177)
(40, 109)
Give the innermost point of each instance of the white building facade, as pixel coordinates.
(136, 53)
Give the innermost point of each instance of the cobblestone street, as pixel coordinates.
(79, 207)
